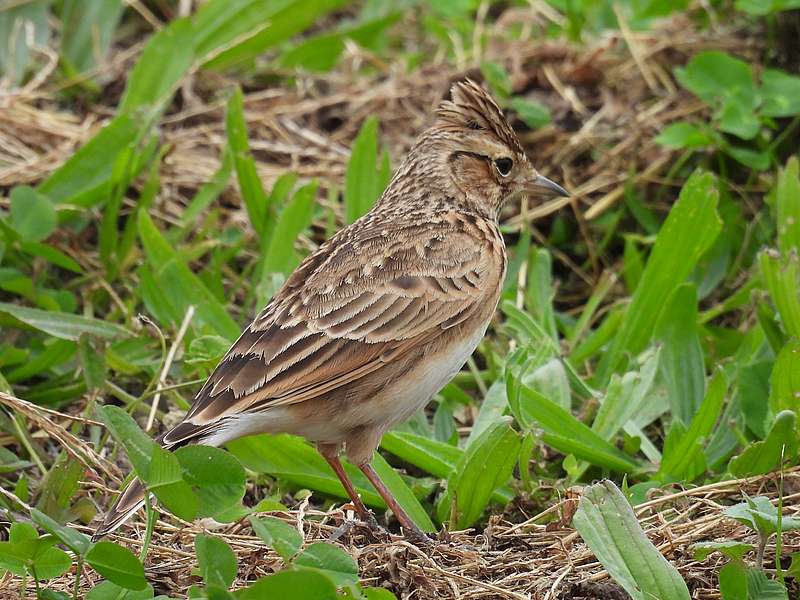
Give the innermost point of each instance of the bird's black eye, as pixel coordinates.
(503, 165)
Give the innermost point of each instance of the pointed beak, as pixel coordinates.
(542, 186)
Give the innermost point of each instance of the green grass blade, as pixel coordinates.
(682, 364)
(233, 32)
(64, 326)
(280, 256)
(684, 454)
(689, 230)
(162, 65)
(84, 179)
(253, 196)
(781, 275)
(564, 432)
(787, 207)
(361, 180)
(486, 465)
(86, 32)
(179, 286)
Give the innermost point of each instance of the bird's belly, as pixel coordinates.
(413, 389)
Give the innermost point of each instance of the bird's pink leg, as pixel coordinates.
(410, 528)
(331, 455)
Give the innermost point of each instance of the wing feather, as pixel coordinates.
(349, 308)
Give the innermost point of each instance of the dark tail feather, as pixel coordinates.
(128, 503)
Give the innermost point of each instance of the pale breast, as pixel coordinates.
(400, 400)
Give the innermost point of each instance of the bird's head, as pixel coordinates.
(480, 152)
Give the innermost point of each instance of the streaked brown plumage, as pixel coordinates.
(383, 314)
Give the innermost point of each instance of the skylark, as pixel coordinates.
(371, 325)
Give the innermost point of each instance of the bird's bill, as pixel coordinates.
(542, 186)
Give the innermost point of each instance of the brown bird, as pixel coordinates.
(371, 325)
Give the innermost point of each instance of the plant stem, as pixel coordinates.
(762, 545)
(78, 569)
(778, 540)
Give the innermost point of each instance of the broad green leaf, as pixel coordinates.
(49, 562)
(549, 379)
(684, 457)
(733, 581)
(763, 588)
(540, 291)
(752, 387)
(51, 255)
(781, 93)
(609, 527)
(730, 548)
(25, 553)
(683, 135)
(216, 559)
(714, 76)
(138, 445)
(492, 407)
(682, 366)
(92, 363)
(361, 179)
(497, 79)
(117, 564)
(781, 276)
(563, 431)
(54, 352)
(166, 58)
(486, 465)
(165, 480)
(624, 397)
(179, 286)
(24, 26)
(377, 593)
(215, 476)
(298, 584)
(331, 560)
(434, 456)
(62, 325)
(755, 159)
(33, 216)
(689, 230)
(106, 590)
(784, 392)
(278, 535)
(761, 515)
(787, 206)
(764, 456)
(534, 114)
(738, 118)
